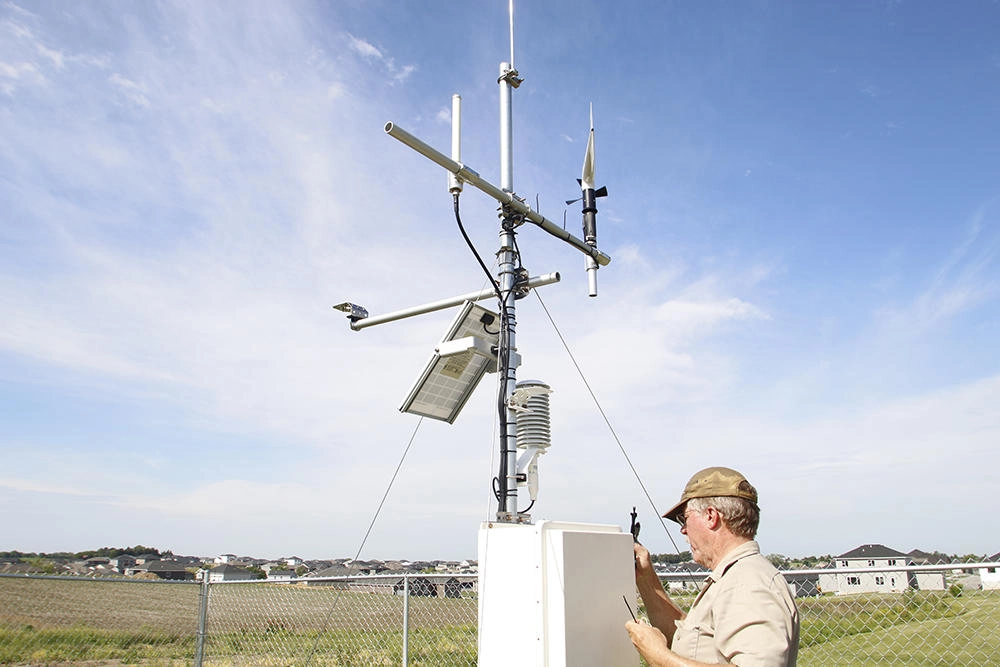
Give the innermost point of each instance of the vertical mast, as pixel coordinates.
(509, 263)
(507, 509)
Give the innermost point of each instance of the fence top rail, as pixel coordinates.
(101, 580)
(393, 578)
(876, 569)
(375, 579)
(940, 567)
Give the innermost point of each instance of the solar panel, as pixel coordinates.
(449, 379)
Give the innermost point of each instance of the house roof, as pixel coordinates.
(228, 569)
(872, 551)
(335, 571)
(929, 558)
(165, 566)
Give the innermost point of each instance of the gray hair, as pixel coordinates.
(741, 516)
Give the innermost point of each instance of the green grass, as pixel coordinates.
(81, 644)
(915, 629)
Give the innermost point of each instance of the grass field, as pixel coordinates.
(82, 622)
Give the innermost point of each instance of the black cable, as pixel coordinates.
(517, 253)
(461, 228)
(500, 482)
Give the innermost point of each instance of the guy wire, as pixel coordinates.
(336, 600)
(607, 421)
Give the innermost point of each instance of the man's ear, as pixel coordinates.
(713, 517)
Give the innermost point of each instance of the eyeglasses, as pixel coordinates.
(682, 519)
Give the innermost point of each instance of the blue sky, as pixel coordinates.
(803, 222)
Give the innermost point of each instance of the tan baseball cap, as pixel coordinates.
(711, 483)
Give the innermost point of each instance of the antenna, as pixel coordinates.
(510, 13)
(455, 185)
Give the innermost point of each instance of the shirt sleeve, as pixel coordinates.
(753, 625)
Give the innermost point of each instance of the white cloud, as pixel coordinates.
(19, 74)
(56, 57)
(366, 49)
(686, 317)
(399, 74)
(965, 279)
(41, 486)
(403, 73)
(133, 92)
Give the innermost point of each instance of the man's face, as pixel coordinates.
(696, 532)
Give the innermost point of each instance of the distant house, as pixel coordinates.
(169, 570)
(281, 576)
(367, 566)
(122, 563)
(803, 584)
(989, 577)
(229, 573)
(918, 557)
(222, 559)
(879, 575)
(396, 566)
(682, 577)
(336, 571)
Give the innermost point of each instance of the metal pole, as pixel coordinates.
(505, 198)
(454, 184)
(508, 264)
(536, 281)
(199, 651)
(406, 620)
(506, 130)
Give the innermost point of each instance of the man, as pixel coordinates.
(744, 614)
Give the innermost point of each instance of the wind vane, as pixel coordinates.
(589, 197)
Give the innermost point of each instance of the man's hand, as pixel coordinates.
(650, 642)
(642, 559)
(645, 575)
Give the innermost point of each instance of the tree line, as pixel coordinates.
(103, 552)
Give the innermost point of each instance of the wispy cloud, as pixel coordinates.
(399, 73)
(967, 278)
(132, 91)
(39, 486)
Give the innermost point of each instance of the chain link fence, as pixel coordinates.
(429, 620)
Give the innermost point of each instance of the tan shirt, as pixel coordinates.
(744, 615)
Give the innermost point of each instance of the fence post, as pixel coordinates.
(406, 620)
(199, 651)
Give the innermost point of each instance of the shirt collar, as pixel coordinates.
(748, 548)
